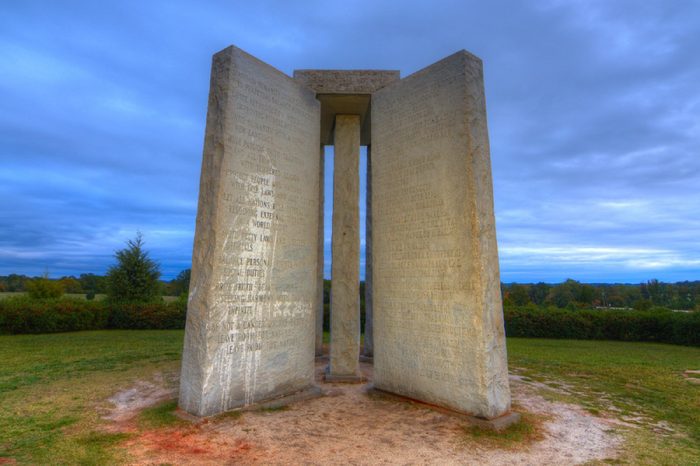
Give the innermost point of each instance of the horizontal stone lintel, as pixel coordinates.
(346, 81)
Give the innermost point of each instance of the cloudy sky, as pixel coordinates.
(593, 107)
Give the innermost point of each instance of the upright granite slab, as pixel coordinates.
(344, 362)
(438, 318)
(250, 322)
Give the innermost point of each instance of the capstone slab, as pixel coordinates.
(346, 81)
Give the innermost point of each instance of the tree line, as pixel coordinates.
(135, 277)
(572, 294)
(90, 283)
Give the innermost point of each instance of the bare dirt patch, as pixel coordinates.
(126, 404)
(349, 426)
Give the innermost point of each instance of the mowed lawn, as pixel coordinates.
(53, 390)
(53, 386)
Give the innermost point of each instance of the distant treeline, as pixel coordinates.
(572, 294)
(89, 283)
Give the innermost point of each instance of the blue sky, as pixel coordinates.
(593, 107)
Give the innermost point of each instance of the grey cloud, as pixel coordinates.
(593, 116)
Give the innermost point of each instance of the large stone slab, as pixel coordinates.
(438, 317)
(345, 248)
(250, 321)
(346, 81)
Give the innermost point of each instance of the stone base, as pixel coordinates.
(497, 424)
(350, 378)
(306, 394)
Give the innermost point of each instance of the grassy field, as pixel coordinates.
(53, 386)
(641, 383)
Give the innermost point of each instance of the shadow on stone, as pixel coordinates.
(272, 404)
(497, 424)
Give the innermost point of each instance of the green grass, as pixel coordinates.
(10, 294)
(526, 431)
(640, 382)
(161, 415)
(52, 388)
(273, 409)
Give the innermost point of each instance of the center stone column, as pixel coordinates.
(344, 363)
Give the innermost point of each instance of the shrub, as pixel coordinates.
(22, 314)
(43, 288)
(25, 315)
(655, 325)
(148, 315)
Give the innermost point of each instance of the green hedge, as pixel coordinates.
(25, 315)
(660, 326)
(149, 316)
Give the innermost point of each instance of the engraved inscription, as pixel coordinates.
(250, 330)
(429, 226)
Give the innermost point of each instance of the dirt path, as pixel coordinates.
(348, 426)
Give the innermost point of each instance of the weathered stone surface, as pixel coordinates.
(346, 81)
(250, 321)
(345, 246)
(368, 346)
(438, 320)
(345, 92)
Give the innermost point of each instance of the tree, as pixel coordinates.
(14, 282)
(135, 276)
(43, 288)
(585, 294)
(538, 293)
(71, 285)
(91, 282)
(564, 293)
(518, 295)
(181, 284)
